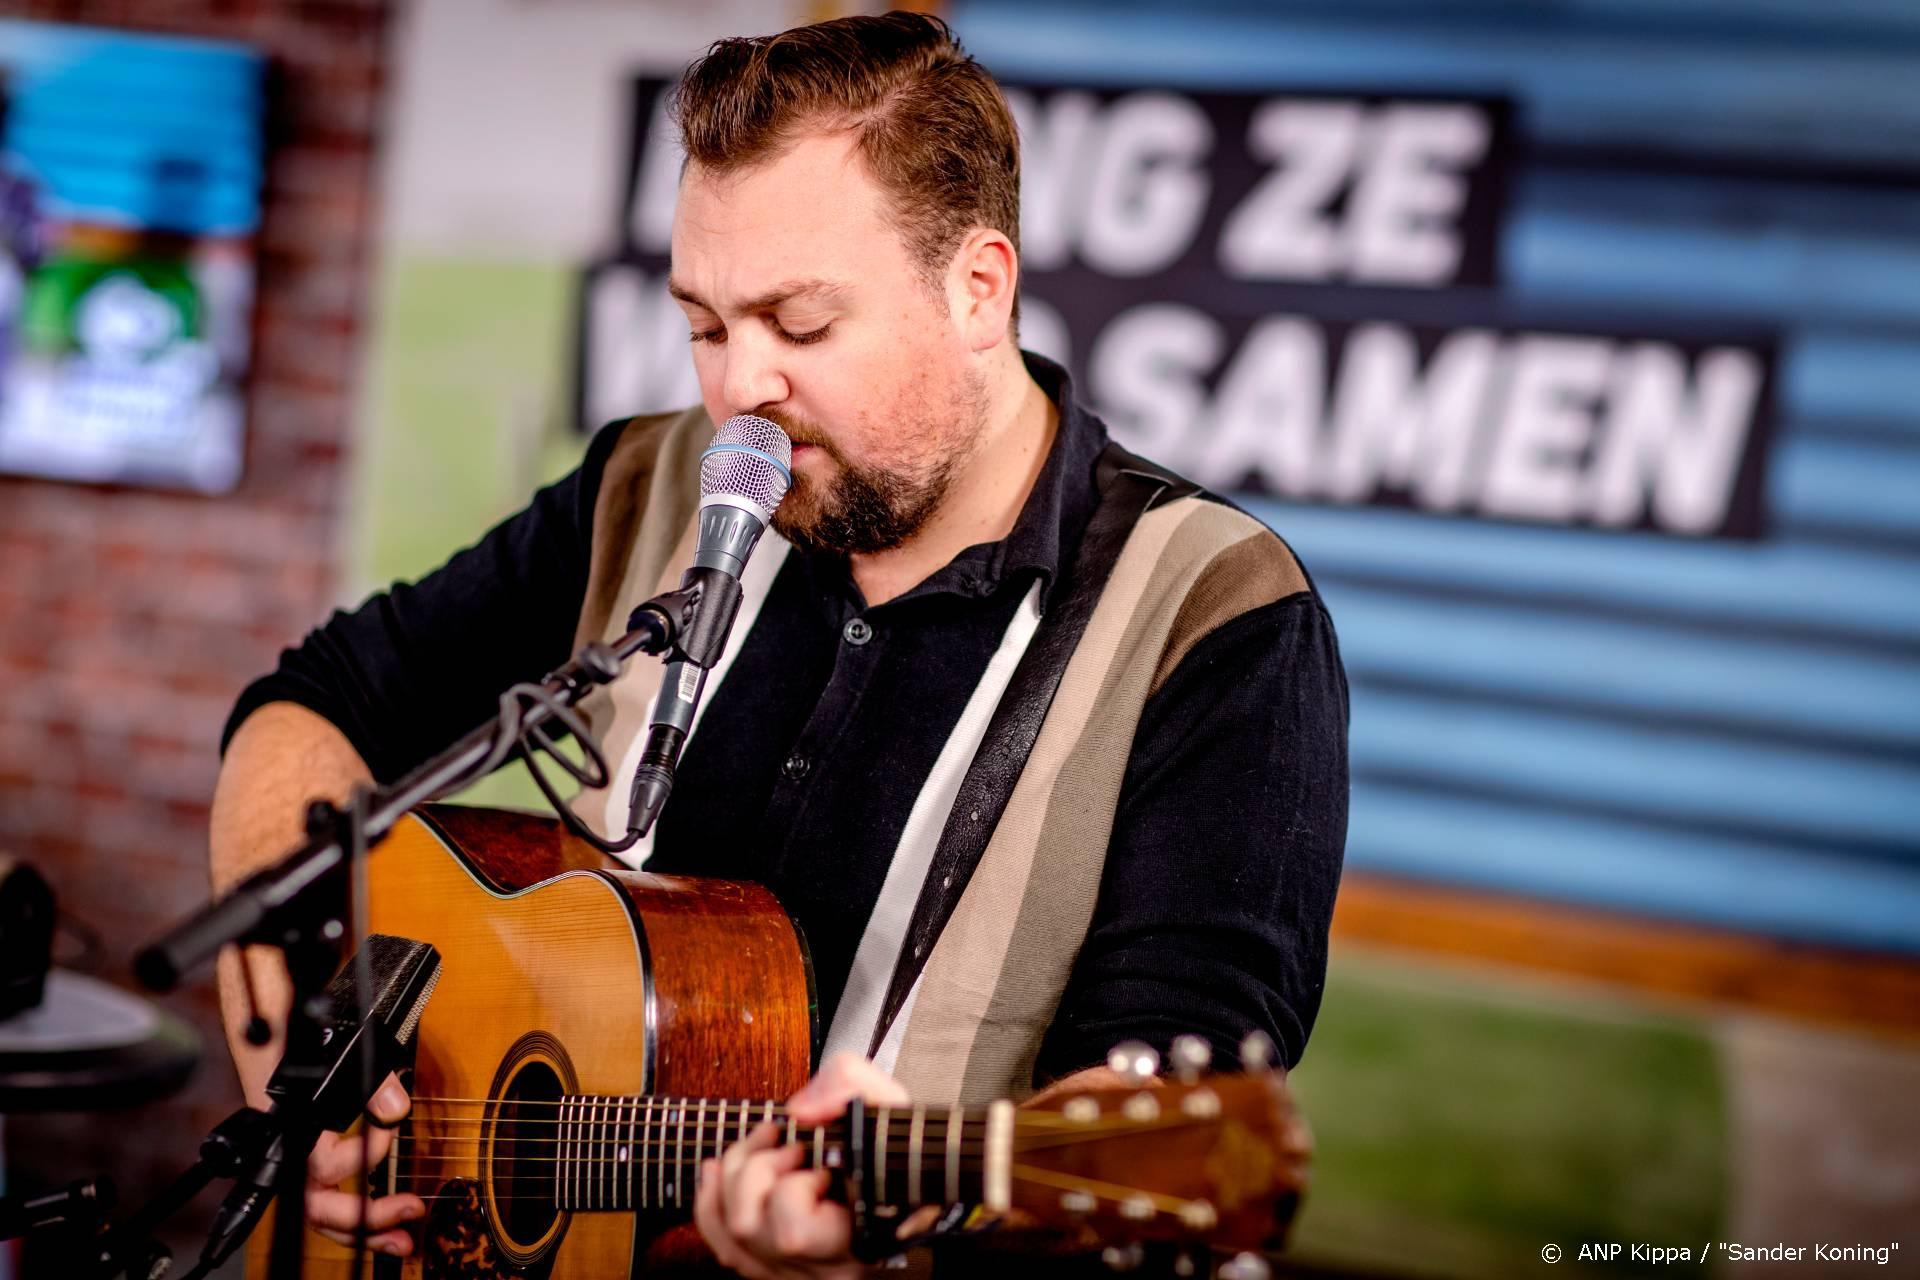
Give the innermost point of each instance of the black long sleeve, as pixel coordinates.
(415, 667)
(1226, 853)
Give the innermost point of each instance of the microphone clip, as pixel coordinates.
(694, 619)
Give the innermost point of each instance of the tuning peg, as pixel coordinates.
(1141, 1108)
(1134, 1061)
(1198, 1215)
(1191, 1056)
(1081, 1110)
(1123, 1257)
(1256, 1053)
(1137, 1207)
(1246, 1266)
(1078, 1203)
(1183, 1265)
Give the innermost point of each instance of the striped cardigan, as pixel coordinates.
(990, 986)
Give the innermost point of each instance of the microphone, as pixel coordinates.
(744, 474)
(331, 1091)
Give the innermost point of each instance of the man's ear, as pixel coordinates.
(984, 282)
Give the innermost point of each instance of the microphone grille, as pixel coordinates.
(749, 458)
(412, 1023)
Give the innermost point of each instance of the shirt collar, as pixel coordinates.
(1047, 531)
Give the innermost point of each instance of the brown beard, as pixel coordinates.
(861, 510)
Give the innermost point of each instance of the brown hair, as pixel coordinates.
(931, 123)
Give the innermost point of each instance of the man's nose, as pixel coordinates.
(754, 377)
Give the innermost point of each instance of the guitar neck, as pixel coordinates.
(640, 1152)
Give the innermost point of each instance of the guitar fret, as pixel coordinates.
(623, 1194)
(699, 1137)
(956, 1134)
(577, 1179)
(560, 1152)
(646, 1145)
(660, 1148)
(916, 1131)
(637, 1167)
(669, 1107)
(998, 1171)
(573, 1155)
(880, 1156)
(597, 1153)
(680, 1158)
(657, 1151)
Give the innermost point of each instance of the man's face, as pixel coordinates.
(806, 308)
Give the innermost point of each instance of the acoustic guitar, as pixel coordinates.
(596, 1032)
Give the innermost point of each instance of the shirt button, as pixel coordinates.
(796, 766)
(858, 631)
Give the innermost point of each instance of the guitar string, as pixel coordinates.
(663, 1144)
(609, 1132)
(527, 1124)
(756, 1114)
(757, 1105)
(660, 1156)
(659, 1152)
(585, 1129)
(413, 1184)
(648, 1135)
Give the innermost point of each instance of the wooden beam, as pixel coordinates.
(1827, 984)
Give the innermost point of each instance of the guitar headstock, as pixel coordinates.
(1219, 1160)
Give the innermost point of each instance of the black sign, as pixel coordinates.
(1295, 293)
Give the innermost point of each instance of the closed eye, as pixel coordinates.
(719, 334)
(803, 339)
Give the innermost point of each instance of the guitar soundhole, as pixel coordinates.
(524, 1150)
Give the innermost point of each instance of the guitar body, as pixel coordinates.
(563, 975)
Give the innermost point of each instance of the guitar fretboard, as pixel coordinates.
(643, 1153)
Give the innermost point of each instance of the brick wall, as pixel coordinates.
(129, 620)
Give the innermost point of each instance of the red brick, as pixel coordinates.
(130, 619)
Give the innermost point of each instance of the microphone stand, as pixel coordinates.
(299, 904)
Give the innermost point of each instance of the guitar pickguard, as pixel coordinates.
(456, 1243)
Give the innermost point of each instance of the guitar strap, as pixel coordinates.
(1128, 487)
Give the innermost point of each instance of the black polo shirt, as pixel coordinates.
(1220, 878)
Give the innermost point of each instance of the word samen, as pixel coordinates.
(1549, 427)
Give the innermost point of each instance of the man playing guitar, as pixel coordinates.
(845, 249)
